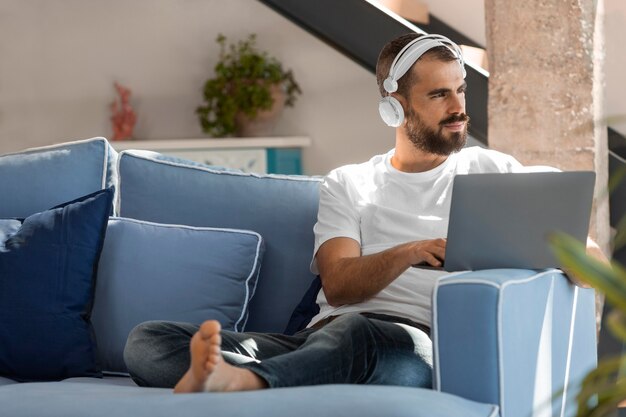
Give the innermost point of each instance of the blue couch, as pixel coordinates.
(187, 242)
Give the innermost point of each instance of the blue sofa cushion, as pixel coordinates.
(101, 398)
(283, 209)
(151, 271)
(47, 273)
(37, 179)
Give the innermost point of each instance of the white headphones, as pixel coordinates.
(389, 107)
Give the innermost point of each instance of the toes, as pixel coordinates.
(198, 346)
(215, 339)
(206, 345)
(210, 328)
(214, 351)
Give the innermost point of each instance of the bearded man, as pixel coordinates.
(376, 220)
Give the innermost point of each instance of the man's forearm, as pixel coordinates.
(355, 279)
(349, 278)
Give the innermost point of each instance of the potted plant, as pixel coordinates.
(247, 92)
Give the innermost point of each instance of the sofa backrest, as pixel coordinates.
(37, 179)
(282, 209)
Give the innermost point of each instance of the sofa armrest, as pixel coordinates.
(514, 338)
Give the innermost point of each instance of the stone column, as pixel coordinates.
(545, 89)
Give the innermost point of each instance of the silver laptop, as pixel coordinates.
(504, 220)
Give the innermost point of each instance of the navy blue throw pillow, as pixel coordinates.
(306, 309)
(48, 264)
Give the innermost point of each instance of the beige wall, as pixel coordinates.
(467, 16)
(58, 61)
(615, 64)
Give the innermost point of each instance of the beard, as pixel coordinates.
(427, 139)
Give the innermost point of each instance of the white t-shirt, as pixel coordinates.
(381, 207)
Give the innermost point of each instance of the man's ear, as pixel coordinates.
(403, 102)
(400, 98)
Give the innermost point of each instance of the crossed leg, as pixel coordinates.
(198, 358)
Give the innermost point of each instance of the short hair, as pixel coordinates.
(393, 48)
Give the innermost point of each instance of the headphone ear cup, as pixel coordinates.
(391, 111)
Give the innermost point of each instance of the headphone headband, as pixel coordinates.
(412, 52)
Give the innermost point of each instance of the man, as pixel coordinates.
(376, 220)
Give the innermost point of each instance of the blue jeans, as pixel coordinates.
(353, 348)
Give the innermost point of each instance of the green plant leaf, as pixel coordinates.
(602, 389)
(620, 237)
(607, 399)
(610, 279)
(616, 321)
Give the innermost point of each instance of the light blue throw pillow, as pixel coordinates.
(151, 271)
(282, 208)
(36, 179)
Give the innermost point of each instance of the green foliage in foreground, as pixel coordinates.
(604, 387)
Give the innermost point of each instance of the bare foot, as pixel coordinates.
(208, 371)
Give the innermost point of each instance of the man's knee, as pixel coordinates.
(403, 354)
(403, 369)
(156, 352)
(354, 322)
(138, 349)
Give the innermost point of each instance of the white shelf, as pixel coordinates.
(214, 143)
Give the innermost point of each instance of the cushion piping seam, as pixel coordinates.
(302, 178)
(55, 146)
(254, 267)
(568, 361)
(184, 226)
(500, 324)
(118, 193)
(105, 165)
